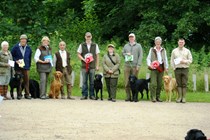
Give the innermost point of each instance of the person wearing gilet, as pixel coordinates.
(157, 53)
(43, 65)
(84, 52)
(62, 64)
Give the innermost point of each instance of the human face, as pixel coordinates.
(111, 50)
(88, 38)
(158, 43)
(62, 46)
(23, 41)
(45, 43)
(5, 48)
(181, 43)
(131, 39)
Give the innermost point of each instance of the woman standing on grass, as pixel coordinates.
(5, 69)
(111, 63)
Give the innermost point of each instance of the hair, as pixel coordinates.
(62, 42)
(45, 38)
(4, 43)
(158, 38)
(181, 38)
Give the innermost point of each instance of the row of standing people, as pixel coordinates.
(132, 53)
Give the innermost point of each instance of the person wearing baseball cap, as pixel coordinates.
(21, 53)
(133, 54)
(88, 50)
(111, 71)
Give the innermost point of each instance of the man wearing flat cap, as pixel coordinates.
(88, 53)
(21, 54)
(133, 54)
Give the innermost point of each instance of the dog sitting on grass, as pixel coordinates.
(170, 87)
(56, 85)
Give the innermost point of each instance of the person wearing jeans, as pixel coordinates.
(88, 53)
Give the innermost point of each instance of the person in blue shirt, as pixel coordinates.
(21, 54)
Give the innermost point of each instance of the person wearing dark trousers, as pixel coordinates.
(158, 54)
(133, 54)
(111, 64)
(88, 53)
(21, 54)
(62, 64)
(181, 58)
(43, 59)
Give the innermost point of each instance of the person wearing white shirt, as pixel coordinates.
(88, 53)
(181, 58)
(62, 64)
(157, 54)
(43, 65)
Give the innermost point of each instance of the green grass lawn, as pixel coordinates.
(191, 96)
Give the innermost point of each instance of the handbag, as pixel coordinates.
(113, 62)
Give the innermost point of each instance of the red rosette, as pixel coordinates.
(156, 65)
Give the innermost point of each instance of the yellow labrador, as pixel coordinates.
(170, 87)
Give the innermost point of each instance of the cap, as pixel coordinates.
(23, 36)
(88, 34)
(131, 34)
(111, 45)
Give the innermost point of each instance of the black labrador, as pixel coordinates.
(15, 84)
(138, 85)
(98, 85)
(195, 134)
(34, 88)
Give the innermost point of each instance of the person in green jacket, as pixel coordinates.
(111, 64)
(6, 71)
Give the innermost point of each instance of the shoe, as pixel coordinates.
(28, 97)
(83, 98)
(109, 99)
(44, 97)
(158, 100)
(113, 100)
(92, 98)
(70, 98)
(153, 100)
(19, 97)
(127, 100)
(63, 97)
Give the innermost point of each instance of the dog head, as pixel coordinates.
(58, 75)
(195, 134)
(132, 78)
(18, 76)
(166, 79)
(98, 77)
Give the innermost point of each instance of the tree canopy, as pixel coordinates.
(107, 20)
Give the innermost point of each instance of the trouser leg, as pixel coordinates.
(113, 87)
(107, 80)
(159, 84)
(153, 84)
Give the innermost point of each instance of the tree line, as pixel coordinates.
(107, 20)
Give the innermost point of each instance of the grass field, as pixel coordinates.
(191, 96)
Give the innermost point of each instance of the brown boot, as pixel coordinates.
(69, 92)
(184, 91)
(179, 95)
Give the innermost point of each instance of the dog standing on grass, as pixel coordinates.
(138, 85)
(98, 86)
(170, 87)
(56, 85)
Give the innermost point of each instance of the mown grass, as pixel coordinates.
(121, 95)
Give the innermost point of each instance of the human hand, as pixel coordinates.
(128, 53)
(97, 68)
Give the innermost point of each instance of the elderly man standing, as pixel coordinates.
(21, 54)
(88, 53)
(181, 58)
(133, 55)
